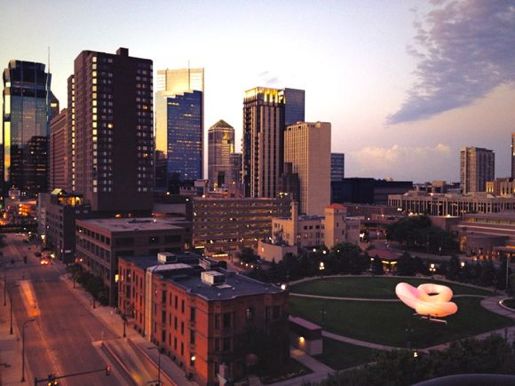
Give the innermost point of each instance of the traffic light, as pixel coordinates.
(52, 381)
(108, 370)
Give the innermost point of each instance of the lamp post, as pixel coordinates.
(321, 268)
(10, 307)
(158, 363)
(507, 272)
(23, 348)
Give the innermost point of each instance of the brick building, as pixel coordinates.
(101, 241)
(205, 318)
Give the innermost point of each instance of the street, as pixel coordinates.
(62, 339)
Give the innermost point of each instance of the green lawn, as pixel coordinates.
(387, 323)
(292, 369)
(509, 303)
(339, 356)
(371, 287)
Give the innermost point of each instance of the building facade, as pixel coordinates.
(111, 131)
(512, 148)
(57, 212)
(224, 225)
(179, 92)
(437, 204)
(264, 121)
(307, 146)
(359, 190)
(28, 106)
(477, 166)
(100, 242)
(202, 316)
(185, 137)
(337, 166)
(504, 187)
(58, 157)
(220, 148)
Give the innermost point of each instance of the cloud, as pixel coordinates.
(266, 78)
(401, 162)
(464, 49)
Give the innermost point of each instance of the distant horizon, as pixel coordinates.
(397, 108)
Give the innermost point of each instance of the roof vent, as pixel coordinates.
(212, 278)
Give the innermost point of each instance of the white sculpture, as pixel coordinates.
(431, 300)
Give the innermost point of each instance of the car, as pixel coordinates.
(44, 262)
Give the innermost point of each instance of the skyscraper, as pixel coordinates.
(58, 162)
(110, 131)
(264, 117)
(477, 166)
(307, 146)
(294, 102)
(220, 147)
(184, 137)
(28, 105)
(337, 166)
(172, 83)
(512, 155)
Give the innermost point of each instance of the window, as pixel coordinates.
(217, 321)
(193, 313)
(276, 312)
(217, 344)
(192, 337)
(249, 313)
(182, 306)
(226, 344)
(227, 320)
(182, 328)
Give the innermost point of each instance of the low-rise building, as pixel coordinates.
(314, 231)
(57, 212)
(101, 241)
(224, 225)
(202, 316)
(480, 234)
(452, 204)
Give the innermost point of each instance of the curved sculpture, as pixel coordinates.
(427, 299)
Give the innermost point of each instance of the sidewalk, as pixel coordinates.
(320, 370)
(10, 350)
(134, 349)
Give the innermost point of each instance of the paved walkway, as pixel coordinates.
(136, 348)
(296, 294)
(320, 370)
(10, 349)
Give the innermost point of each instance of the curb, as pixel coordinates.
(115, 358)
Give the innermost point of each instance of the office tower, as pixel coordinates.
(235, 159)
(111, 137)
(294, 102)
(337, 166)
(512, 155)
(264, 117)
(220, 147)
(477, 166)
(28, 106)
(185, 137)
(176, 88)
(58, 152)
(307, 146)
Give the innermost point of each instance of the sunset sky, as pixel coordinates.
(405, 84)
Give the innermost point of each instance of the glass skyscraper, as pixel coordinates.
(174, 84)
(27, 109)
(184, 137)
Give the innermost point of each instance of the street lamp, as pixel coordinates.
(10, 307)
(23, 348)
(158, 363)
(321, 268)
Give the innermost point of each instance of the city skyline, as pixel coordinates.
(361, 71)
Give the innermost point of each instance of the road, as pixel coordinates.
(65, 336)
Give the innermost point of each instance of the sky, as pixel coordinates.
(405, 84)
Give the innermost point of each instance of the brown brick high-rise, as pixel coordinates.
(110, 131)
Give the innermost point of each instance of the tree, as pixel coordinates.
(453, 268)
(406, 265)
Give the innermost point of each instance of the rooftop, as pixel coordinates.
(186, 271)
(130, 224)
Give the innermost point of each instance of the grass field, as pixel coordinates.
(339, 356)
(372, 287)
(509, 303)
(393, 323)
